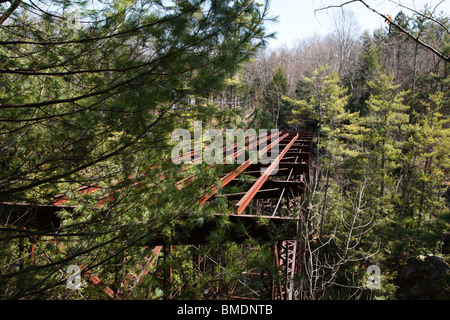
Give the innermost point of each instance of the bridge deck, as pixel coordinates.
(284, 178)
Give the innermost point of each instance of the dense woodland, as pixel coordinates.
(94, 103)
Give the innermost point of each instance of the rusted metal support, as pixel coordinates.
(233, 174)
(95, 280)
(245, 200)
(141, 271)
(267, 189)
(167, 281)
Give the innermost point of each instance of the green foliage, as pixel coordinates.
(382, 171)
(274, 108)
(95, 105)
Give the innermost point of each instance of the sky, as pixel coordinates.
(297, 19)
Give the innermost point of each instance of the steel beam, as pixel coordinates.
(243, 203)
(233, 174)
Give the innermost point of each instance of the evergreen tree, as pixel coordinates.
(274, 108)
(423, 210)
(386, 120)
(369, 68)
(94, 104)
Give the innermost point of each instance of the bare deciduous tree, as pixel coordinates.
(417, 38)
(328, 254)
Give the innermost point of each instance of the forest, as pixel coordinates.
(91, 92)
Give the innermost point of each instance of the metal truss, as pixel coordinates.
(274, 192)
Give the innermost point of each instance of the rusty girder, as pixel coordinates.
(284, 179)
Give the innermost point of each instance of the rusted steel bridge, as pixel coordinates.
(275, 195)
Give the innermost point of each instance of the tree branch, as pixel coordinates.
(401, 29)
(10, 10)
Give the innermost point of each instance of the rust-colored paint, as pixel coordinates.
(245, 200)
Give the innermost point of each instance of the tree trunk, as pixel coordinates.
(406, 189)
(424, 185)
(322, 218)
(415, 69)
(383, 164)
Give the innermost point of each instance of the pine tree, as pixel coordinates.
(274, 108)
(369, 68)
(95, 103)
(386, 119)
(429, 145)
